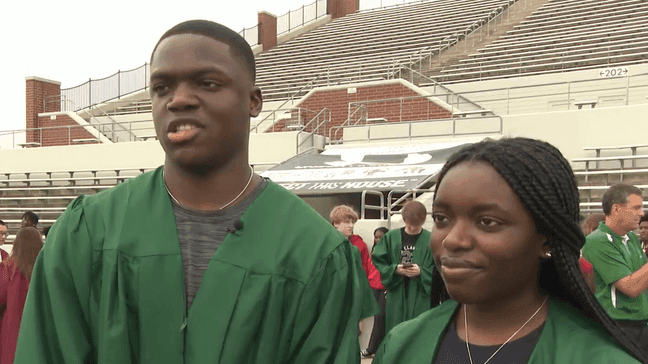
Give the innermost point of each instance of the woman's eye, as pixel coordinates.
(439, 218)
(486, 222)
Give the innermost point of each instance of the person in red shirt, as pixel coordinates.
(15, 273)
(588, 226)
(343, 218)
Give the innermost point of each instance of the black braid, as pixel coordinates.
(544, 181)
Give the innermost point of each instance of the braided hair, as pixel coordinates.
(545, 183)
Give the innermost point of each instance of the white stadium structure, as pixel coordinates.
(363, 106)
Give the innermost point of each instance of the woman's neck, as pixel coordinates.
(494, 323)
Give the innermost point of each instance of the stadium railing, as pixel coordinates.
(565, 35)
(354, 38)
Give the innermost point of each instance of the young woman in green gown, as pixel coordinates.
(506, 244)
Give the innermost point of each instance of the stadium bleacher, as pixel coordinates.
(562, 35)
(48, 192)
(363, 47)
(366, 47)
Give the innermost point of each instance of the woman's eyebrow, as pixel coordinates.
(486, 206)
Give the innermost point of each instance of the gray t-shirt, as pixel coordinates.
(201, 233)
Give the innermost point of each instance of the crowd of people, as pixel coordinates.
(204, 261)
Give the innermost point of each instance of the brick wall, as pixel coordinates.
(267, 30)
(341, 8)
(44, 96)
(41, 96)
(338, 101)
(61, 135)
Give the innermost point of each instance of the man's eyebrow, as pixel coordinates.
(192, 73)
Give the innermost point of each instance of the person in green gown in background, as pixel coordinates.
(200, 261)
(506, 243)
(404, 260)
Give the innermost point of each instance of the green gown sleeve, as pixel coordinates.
(54, 326)
(326, 324)
(384, 260)
(379, 354)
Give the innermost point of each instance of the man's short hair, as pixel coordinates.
(644, 217)
(343, 213)
(414, 213)
(220, 33)
(618, 194)
(31, 216)
(2, 223)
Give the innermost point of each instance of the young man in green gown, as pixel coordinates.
(200, 261)
(404, 259)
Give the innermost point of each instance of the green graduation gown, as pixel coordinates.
(567, 337)
(402, 303)
(108, 287)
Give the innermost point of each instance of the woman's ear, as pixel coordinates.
(545, 249)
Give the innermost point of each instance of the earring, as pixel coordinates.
(547, 255)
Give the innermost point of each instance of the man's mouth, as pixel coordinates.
(182, 133)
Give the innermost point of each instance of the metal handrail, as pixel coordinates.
(326, 116)
(288, 16)
(90, 117)
(448, 92)
(364, 206)
(453, 39)
(410, 123)
(251, 35)
(309, 86)
(119, 89)
(69, 127)
(381, 7)
(448, 96)
(363, 116)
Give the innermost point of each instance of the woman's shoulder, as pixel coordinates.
(431, 322)
(571, 337)
(417, 339)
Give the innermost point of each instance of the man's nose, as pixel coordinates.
(183, 97)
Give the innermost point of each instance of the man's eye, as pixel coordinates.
(159, 88)
(210, 84)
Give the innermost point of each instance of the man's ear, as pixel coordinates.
(256, 101)
(615, 209)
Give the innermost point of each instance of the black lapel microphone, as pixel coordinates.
(238, 225)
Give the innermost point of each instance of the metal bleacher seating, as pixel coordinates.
(364, 45)
(48, 193)
(561, 35)
(603, 171)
